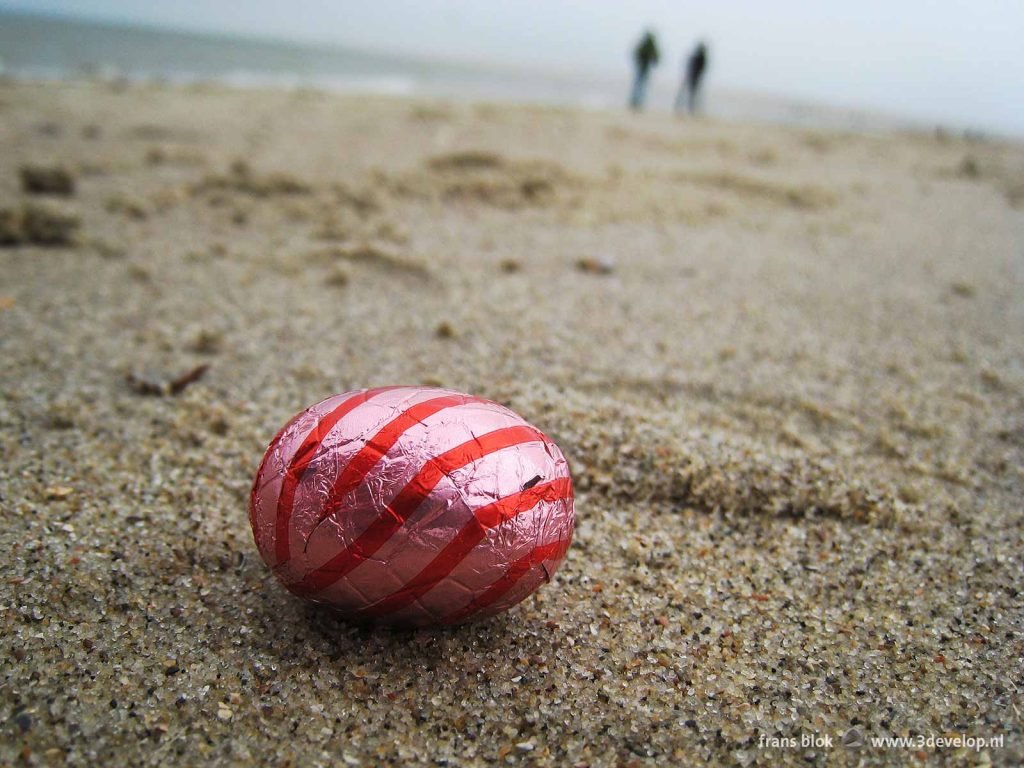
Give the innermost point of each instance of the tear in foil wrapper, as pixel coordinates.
(412, 506)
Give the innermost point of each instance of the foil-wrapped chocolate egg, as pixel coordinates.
(412, 505)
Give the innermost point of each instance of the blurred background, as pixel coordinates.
(860, 66)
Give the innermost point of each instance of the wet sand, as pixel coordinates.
(787, 369)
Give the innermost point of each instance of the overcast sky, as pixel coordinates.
(947, 60)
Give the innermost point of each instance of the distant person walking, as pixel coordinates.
(645, 57)
(689, 91)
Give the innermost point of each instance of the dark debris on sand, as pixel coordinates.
(37, 224)
(47, 180)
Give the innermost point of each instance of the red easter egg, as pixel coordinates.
(412, 506)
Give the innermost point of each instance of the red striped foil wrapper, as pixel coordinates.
(412, 506)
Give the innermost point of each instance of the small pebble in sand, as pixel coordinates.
(57, 492)
(412, 506)
(962, 289)
(337, 278)
(126, 206)
(207, 342)
(47, 180)
(595, 266)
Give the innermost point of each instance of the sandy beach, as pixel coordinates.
(786, 367)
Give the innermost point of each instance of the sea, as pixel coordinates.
(57, 48)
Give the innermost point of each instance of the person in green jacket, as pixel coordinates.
(645, 56)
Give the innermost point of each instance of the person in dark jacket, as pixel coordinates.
(689, 91)
(645, 57)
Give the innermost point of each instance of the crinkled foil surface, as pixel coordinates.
(412, 506)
